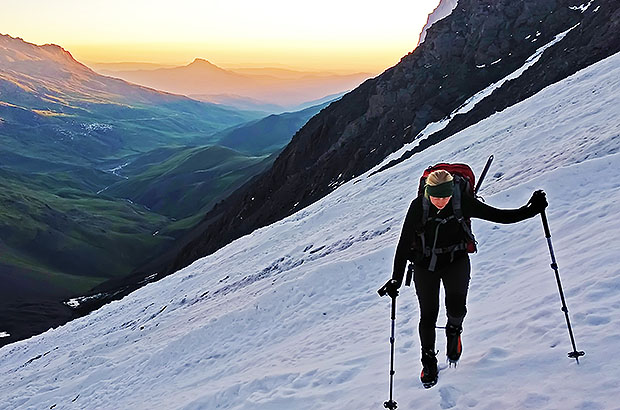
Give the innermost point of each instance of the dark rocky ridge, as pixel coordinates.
(596, 37)
(356, 133)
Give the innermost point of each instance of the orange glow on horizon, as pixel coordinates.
(317, 59)
(322, 35)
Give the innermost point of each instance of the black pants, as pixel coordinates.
(455, 278)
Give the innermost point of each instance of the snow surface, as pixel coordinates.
(288, 316)
(443, 10)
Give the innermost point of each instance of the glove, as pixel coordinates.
(538, 201)
(390, 288)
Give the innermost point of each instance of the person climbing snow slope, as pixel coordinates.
(437, 239)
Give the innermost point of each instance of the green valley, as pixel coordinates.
(98, 176)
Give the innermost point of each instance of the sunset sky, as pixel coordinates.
(314, 35)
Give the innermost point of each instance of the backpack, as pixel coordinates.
(461, 170)
(464, 181)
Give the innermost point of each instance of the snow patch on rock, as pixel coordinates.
(443, 10)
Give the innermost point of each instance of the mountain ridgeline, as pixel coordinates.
(266, 89)
(56, 109)
(478, 44)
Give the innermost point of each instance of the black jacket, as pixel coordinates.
(451, 233)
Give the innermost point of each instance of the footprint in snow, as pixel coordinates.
(449, 396)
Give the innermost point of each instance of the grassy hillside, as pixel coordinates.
(269, 134)
(181, 183)
(109, 131)
(56, 226)
(62, 232)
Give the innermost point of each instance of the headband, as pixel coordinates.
(443, 190)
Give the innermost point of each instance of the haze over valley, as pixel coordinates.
(263, 89)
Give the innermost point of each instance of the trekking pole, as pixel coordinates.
(484, 173)
(390, 404)
(574, 354)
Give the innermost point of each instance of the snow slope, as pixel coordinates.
(288, 317)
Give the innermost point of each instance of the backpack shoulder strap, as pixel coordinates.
(457, 206)
(426, 204)
(456, 198)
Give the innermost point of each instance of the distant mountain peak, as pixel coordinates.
(202, 65)
(55, 48)
(203, 62)
(31, 51)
